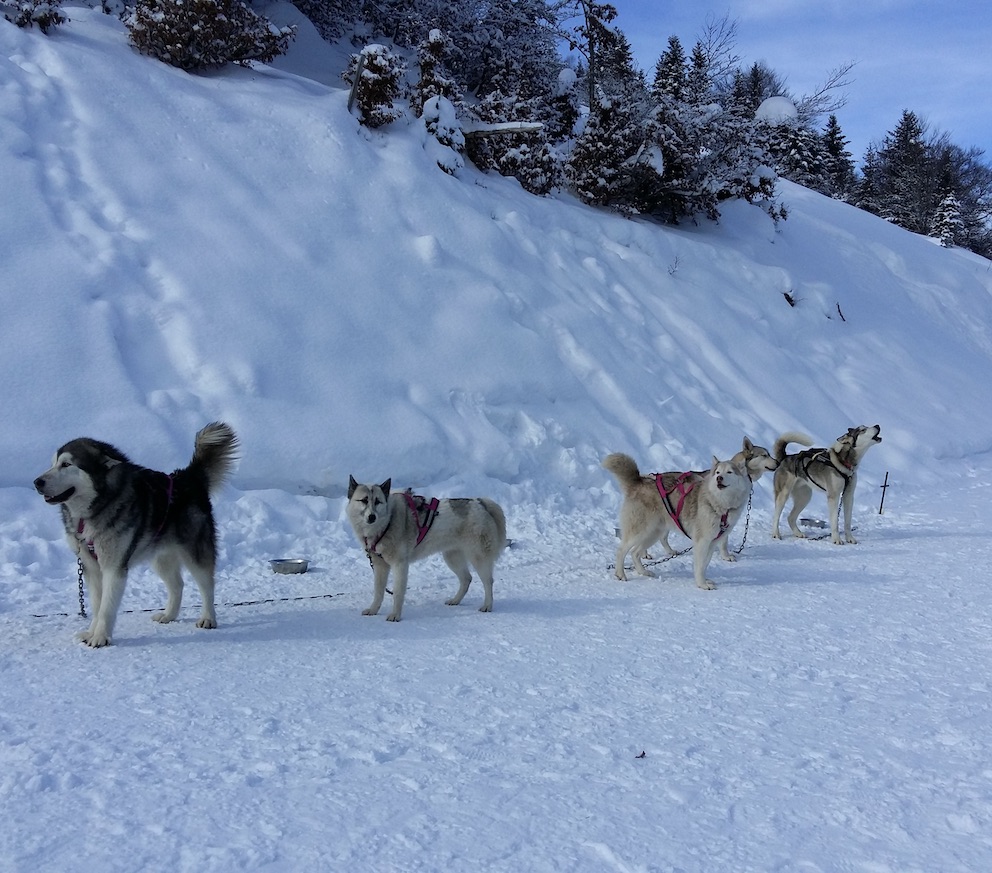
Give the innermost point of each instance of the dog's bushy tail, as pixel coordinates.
(496, 511)
(624, 467)
(215, 452)
(792, 436)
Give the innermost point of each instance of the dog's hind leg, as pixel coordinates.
(458, 564)
(781, 498)
(801, 494)
(484, 567)
(166, 565)
(204, 576)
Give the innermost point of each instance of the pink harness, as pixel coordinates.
(683, 486)
(422, 529)
(415, 502)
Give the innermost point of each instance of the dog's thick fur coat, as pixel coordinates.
(709, 509)
(833, 470)
(468, 530)
(117, 514)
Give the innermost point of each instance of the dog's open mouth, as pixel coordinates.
(61, 498)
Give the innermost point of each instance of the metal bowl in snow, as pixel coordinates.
(289, 565)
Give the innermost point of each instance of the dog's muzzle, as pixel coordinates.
(39, 485)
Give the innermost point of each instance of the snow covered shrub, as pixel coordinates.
(195, 34)
(379, 86)
(41, 12)
(445, 139)
(433, 81)
(532, 162)
(598, 168)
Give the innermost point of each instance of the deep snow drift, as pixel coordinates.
(234, 246)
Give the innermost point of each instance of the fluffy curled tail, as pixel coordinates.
(216, 451)
(624, 467)
(792, 436)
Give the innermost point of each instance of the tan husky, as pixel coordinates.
(703, 506)
(399, 528)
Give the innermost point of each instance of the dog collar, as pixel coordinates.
(85, 542)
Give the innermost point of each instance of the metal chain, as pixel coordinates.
(79, 574)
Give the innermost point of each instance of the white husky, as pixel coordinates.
(704, 506)
(399, 528)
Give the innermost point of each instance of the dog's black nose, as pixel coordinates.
(39, 483)
(371, 518)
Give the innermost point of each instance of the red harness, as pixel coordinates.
(683, 486)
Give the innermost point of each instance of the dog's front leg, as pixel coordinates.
(702, 553)
(380, 573)
(399, 590)
(724, 542)
(848, 503)
(833, 507)
(101, 630)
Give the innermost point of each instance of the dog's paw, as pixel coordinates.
(707, 584)
(731, 558)
(162, 617)
(206, 622)
(621, 576)
(93, 639)
(370, 611)
(393, 616)
(852, 540)
(649, 573)
(485, 608)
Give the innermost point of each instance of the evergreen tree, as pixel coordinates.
(331, 18)
(590, 35)
(947, 223)
(598, 168)
(698, 82)
(670, 73)
(379, 86)
(838, 164)
(434, 81)
(906, 194)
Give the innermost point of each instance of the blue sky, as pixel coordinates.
(909, 54)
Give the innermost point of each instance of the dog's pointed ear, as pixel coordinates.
(747, 445)
(385, 486)
(716, 461)
(352, 485)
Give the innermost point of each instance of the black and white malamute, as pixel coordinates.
(117, 513)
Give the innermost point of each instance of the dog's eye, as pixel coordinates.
(63, 465)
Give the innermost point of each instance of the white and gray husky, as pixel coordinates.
(833, 470)
(117, 514)
(398, 528)
(703, 506)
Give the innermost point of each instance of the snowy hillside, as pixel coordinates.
(178, 249)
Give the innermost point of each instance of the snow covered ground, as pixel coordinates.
(178, 249)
